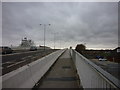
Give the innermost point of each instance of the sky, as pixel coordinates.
(94, 24)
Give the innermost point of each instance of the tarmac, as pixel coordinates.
(62, 74)
(111, 67)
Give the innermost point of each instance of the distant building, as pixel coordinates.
(26, 42)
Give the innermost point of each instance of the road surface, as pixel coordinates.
(13, 61)
(111, 67)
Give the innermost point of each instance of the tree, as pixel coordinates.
(80, 47)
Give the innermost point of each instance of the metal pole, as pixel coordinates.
(60, 43)
(54, 40)
(44, 33)
(44, 36)
(60, 40)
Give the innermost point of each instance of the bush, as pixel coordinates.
(80, 47)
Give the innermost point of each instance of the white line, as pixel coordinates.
(20, 62)
(24, 58)
(33, 57)
(29, 56)
(10, 65)
(7, 63)
(16, 63)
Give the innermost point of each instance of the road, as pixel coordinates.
(15, 56)
(13, 61)
(111, 67)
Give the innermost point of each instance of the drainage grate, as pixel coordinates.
(66, 67)
(62, 79)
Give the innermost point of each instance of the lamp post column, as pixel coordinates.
(44, 35)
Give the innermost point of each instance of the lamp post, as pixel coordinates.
(54, 40)
(44, 32)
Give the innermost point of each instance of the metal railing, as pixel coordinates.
(91, 75)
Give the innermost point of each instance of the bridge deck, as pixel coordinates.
(62, 74)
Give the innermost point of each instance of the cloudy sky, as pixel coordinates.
(92, 23)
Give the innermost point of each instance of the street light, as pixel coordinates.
(54, 40)
(44, 32)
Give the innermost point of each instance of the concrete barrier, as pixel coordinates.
(28, 75)
(91, 75)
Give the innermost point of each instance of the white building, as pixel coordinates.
(26, 43)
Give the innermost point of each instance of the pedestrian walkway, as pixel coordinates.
(62, 74)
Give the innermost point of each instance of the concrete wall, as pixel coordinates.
(28, 75)
(91, 75)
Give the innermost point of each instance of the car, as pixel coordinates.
(99, 57)
(102, 59)
(5, 50)
(33, 48)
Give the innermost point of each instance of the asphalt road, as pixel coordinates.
(111, 67)
(17, 56)
(13, 61)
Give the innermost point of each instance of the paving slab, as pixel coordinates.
(62, 74)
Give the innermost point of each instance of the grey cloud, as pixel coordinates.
(92, 23)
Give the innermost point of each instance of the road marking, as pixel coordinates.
(7, 63)
(20, 62)
(15, 63)
(33, 57)
(24, 58)
(29, 56)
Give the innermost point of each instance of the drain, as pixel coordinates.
(62, 79)
(66, 67)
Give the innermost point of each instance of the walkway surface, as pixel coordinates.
(62, 74)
